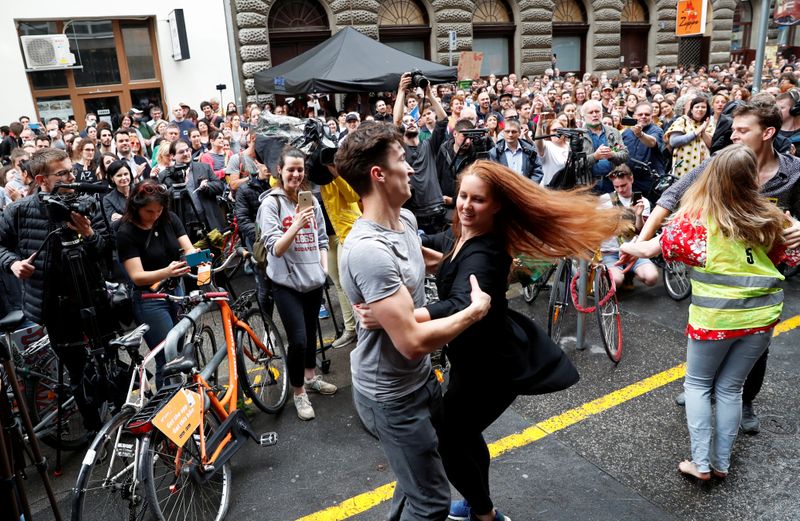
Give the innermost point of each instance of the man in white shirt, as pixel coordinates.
(638, 210)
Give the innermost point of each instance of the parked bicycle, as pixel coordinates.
(534, 276)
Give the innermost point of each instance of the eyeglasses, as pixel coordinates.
(62, 174)
(151, 188)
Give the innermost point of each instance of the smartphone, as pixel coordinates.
(637, 196)
(197, 258)
(628, 122)
(33, 126)
(305, 199)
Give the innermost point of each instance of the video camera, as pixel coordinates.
(176, 173)
(60, 206)
(481, 143)
(575, 136)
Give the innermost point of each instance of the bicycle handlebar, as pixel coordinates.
(191, 298)
(240, 252)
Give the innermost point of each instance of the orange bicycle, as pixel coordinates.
(185, 460)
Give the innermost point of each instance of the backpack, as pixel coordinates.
(259, 248)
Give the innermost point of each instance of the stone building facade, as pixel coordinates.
(516, 35)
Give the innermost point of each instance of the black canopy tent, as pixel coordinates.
(347, 62)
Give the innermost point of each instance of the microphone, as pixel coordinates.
(87, 188)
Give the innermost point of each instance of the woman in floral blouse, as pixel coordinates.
(731, 235)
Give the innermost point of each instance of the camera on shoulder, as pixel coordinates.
(61, 205)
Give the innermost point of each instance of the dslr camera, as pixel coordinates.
(481, 143)
(419, 80)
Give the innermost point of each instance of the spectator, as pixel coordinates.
(126, 122)
(297, 264)
(10, 141)
(603, 146)
(205, 135)
(150, 241)
(351, 122)
(216, 157)
(644, 142)
(85, 170)
(689, 136)
(790, 129)
(103, 163)
(520, 156)
(238, 133)
(211, 119)
(119, 178)
(90, 121)
(637, 210)
(16, 185)
(137, 165)
(42, 141)
(198, 148)
(382, 112)
(105, 145)
(179, 113)
(156, 117)
(553, 152)
(493, 127)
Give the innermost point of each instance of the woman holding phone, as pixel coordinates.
(150, 242)
(293, 230)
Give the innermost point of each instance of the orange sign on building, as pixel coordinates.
(691, 19)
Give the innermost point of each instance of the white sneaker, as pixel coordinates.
(318, 385)
(303, 406)
(347, 338)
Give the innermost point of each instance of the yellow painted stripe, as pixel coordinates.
(370, 499)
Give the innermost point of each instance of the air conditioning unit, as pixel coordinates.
(47, 51)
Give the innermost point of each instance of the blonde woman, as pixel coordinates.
(732, 236)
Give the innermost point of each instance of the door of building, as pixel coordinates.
(633, 47)
(106, 105)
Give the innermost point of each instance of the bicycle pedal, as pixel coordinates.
(268, 439)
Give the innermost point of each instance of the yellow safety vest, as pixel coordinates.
(737, 289)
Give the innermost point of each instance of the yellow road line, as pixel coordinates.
(372, 498)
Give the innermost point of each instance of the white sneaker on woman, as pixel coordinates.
(303, 406)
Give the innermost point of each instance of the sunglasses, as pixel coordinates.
(614, 174)
(151, 188)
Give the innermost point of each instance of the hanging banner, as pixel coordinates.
(787, 12)
(691, 19)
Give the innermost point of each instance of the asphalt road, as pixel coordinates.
(612, 458)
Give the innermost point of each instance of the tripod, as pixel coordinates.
(12, 443)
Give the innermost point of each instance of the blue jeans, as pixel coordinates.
(720, 366)
(161, 316)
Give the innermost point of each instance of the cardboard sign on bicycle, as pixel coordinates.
(179, 418)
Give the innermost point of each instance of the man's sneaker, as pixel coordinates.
(303, 406)
(749, 423)
(497, 517)
(323, 312)
(459, 510)
(347, 338)
(318, 385)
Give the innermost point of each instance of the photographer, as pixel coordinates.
(426, 201)
(201, 185)
(520, 156)
(35, 257)
(457, 153)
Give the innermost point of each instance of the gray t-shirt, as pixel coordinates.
(375, 262)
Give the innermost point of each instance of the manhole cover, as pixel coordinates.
(778, 424)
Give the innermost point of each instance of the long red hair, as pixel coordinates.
(542, 223)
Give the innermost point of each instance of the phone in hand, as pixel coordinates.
(197, 258)
(628, 122)
(305, 199)
(637, 196)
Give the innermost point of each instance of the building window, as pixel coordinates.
(634, 12)
(403, 24)
(635, 25)
(742, 25)
(493, 34)
(290, 15)
(569, 35)
(120, 69)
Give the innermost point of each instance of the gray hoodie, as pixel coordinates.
(299, 267)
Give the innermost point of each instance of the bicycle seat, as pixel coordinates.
(183, 364)
(10, 322)
(130, 340)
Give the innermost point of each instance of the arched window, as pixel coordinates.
(635, 29)
(493, 35)
(403, 24)
(569, 35)
(295, 26)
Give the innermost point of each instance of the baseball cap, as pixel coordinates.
(134, 110)
(607, 86)
(184, 105)
(352, 116)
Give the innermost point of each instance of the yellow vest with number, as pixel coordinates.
(739, 288)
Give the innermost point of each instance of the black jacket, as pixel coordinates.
(531, 165)
(246, 207)
(113, 202)
(24, 226)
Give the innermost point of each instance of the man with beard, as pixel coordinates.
(426, 201)
(106, 141)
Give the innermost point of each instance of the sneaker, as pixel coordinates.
(347, 338)
(681, 399)
(498, 516)
(318, 385)
(459, 510)
(303, 406)
(323, 313)
(749, 423)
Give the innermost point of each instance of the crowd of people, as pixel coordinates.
(471, 169)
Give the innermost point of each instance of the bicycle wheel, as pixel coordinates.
(532, 290)
(205, 347)
(676, 280)
(608, 316)
(174, 482)
(262, 376)
(559, 301)
(41, 389)
(108, 487)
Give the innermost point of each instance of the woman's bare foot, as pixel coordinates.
(690, 469)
